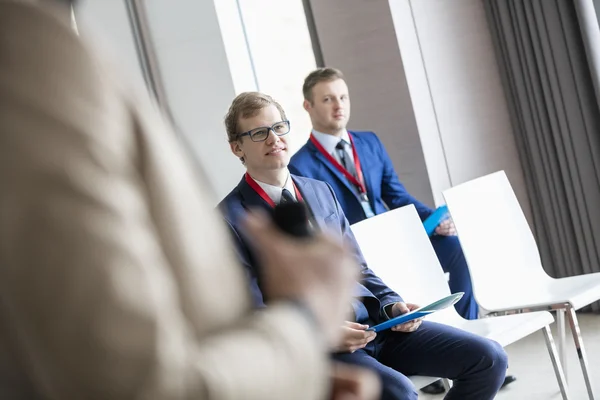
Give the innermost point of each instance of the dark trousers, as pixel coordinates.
(475, 364)
(452, 259)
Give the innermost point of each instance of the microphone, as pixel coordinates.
(292, 218)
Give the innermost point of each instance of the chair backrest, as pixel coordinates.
(398, 250)
(495, 237)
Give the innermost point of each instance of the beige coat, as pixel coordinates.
(116, 278)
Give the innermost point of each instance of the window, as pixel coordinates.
(269, 49)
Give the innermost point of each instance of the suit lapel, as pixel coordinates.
(249, 197)
(309, 196)
(338, 175)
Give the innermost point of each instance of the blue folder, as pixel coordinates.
(435, 218)
(419, 312)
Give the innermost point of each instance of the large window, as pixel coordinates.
(269, 49)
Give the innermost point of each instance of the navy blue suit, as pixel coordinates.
(385, 192)
(326, 211)
(477, 364)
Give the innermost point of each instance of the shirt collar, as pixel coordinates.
(274, 192)
(329, 141)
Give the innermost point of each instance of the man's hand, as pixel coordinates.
(400, 308)
(349, 382)
(317, 271)
(354, 337)
(446, 228)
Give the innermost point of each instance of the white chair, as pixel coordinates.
(398, 250)
(505, 264)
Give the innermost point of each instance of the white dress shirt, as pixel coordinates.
(330, 141)
(274, 192)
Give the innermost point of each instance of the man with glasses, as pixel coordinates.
(256, 129)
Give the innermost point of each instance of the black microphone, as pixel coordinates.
(292, 218)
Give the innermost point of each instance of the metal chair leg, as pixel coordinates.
(573, 322)
(560, 376)
(562, 348)
(447, 384)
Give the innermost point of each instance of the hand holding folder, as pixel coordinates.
(432, 222)
(419, 313)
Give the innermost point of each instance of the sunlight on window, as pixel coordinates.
(268, 47)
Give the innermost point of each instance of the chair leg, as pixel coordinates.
(573, 322)
(447, 384)
(562, 348)
(560, 376)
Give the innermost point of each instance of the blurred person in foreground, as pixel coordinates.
(109, 250)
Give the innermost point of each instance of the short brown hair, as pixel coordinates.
(319, 75)
(247, 105)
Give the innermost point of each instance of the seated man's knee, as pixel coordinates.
(496, 359)
(501, 357)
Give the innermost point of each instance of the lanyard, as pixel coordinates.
(359, 183)
(260, 191)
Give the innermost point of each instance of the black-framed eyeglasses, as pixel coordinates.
(261, 134)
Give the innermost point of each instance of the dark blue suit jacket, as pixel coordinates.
(326, 213)
(383, 186)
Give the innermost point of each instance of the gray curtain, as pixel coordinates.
(556, 121)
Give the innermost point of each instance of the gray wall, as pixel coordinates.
(456, 52)
(465, 86)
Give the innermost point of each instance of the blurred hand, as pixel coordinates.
(400, 308)
(354, 337)
(446, 228)
(349, 382)
(317, 271)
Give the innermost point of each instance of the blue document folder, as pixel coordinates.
(434, 219)
(419, 312)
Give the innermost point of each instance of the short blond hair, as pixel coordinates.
(325, 74)
(247, 105)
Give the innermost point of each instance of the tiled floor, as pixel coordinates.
(530, 362)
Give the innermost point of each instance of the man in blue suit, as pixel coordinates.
(362, 176)
(256, 128)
